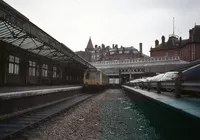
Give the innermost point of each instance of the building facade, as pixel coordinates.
(106, 53)
(186, 49)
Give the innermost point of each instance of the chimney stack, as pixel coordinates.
(190, 34)
(163, 39)
(140, 48)
(156, 43)
(180, 40)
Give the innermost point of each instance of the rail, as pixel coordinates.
(17, 124)
(174, 85)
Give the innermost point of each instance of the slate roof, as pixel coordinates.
(90, 45)
(175, 42)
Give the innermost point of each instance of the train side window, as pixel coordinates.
(87, 75)
(13, 64)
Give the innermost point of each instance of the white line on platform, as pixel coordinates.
(17, 94)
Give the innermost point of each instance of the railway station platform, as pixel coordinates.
(18, 100)
(175, 118)
(188, 105)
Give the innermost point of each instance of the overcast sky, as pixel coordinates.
(122, 22)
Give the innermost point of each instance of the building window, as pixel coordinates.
(93, 57)
(32, 68)
(112, 53)
(44, 70)
(54, 72)
(126, 52)
(13, 64)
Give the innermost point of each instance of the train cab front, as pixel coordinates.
(92, 81)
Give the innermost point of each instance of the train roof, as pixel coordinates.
(93, 70)
(88, 70)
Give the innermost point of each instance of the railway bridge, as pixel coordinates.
(129, 69)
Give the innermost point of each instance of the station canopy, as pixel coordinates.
(17, 30)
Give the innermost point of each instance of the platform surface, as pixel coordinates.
(186, 104)
(25, 88)
(14, 92)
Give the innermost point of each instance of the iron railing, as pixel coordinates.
(177, 86)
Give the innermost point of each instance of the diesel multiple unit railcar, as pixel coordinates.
(95, 79)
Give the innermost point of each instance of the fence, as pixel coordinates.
(174, 85)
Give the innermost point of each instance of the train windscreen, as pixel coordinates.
(98, 75)
(92, 75)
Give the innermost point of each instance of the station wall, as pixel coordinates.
(20, 67)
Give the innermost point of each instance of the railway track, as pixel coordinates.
(12, 126)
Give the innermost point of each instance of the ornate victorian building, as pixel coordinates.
(186, 49)
(104, 53)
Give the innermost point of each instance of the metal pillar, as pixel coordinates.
(178, 83)
(2, 65)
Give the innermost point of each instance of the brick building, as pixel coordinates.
(103, 53)
(186, 49)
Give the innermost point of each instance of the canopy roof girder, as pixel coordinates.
(17, 30)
